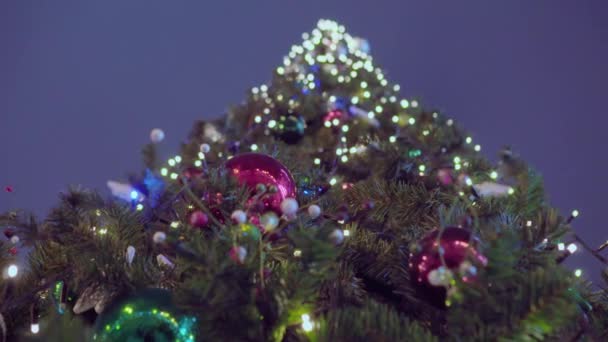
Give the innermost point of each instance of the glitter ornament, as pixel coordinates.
(199, 219)
(157, 135)
(238, 216)
(149, 315)
(337, 236)
(427, 269)
(290, 128)
(289, 206)
(269, 221)
(159, 237)
(314, 211)
(251, 169)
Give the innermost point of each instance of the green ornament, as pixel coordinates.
(148, 316)
(414, 153)
(290, 128)
(250, 231)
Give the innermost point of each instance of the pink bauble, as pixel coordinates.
(445, 176)
(199, 219)
(251, 169)
(458, 246)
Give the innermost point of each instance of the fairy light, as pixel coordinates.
(297, 253)
(280, 70)
(257, 119)
(575, 213)
(395, 118)
(561, 246)
(457, 167)
(335, 122)
(255, 90)
(173, 175)
(449, 122)
(477, 148)
(529, 223)
(426, 132)
(392, 139)
(367, 94)
(272, 123)
(317, 161)
(164, 171)
(572, 248)
(421, 168)
(494, 175)
(578, 273)
(327, 124)
(371, 115)
(178, 159)
(411, 121)
(333, 181)
(414, 104)
(346, 232)
(139, 207)
(198, 163)
(345, 128)
(511, 191)
(307, 324)
(171, 162)
(264, 88)
(35, 328)
(254, 147)
(12, 271)
(435, 115)
(378, 109)
(354, 100)
(404, 103)
(363, 84)
(175, 224)
(457, 160)
(344, 158)
(396, 87)
(469, 140)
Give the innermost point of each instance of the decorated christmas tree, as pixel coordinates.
(325, 207)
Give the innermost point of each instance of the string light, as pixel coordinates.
(254, 147)
(307, 324)
(572, 248)
(578, 273)
(12, 271)
(35, 328)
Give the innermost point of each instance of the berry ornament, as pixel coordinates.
(199, 219)
(460, 254)
(253, 169)
(289, 207)
(157, 135)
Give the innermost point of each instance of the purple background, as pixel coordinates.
(83, 82)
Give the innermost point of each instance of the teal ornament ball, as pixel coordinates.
(146, 316)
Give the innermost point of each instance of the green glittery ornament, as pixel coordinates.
(290, 128)
(147, 316)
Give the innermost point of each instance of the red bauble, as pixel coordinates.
(251, 169)
(458, 246)
(199, 219)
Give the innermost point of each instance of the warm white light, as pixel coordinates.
(392, 139)
(529, 224)
(333, 181)
(297, 253)
(578, 272)
(477, 148)
(405, 103)
(575, 213)
(346, 232)
(174, 224)
(493, 174)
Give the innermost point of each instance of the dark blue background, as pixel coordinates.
(83, 82)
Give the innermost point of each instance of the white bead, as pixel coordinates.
(130, 254)
(159, 237)
(157, 135)
(205, 148)
(15, 239)
(337, 236)
(314, 211)
(289, 206)
(238, 216)
(269, 221)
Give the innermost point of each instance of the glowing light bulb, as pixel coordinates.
(254, 147)
(12, 271)
(578, 272)
(572, 248)
(493, 174)
(575, 213)
(35, 328)
(411, 121)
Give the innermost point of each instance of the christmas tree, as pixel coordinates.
(324, 207)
